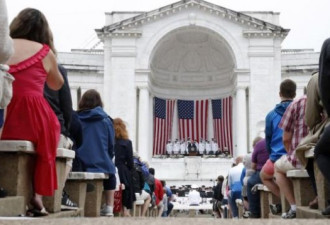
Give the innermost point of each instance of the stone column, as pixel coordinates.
(241, 123)
(144, 117)
(107, 97)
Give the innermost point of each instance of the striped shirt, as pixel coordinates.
(293, 121)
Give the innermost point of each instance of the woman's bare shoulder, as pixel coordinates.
(24, 49)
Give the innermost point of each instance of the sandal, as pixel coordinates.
(36, 212)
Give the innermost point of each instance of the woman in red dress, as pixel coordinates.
(29, 116)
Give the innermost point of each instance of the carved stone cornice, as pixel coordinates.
(265, 34)
(222, 12)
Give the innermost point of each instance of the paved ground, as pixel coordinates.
(162, 221)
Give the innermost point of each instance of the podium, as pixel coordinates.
(193, 153)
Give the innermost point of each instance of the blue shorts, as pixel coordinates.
(110, 183)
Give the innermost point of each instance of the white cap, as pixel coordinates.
(194, 186)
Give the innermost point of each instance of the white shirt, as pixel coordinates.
(207, 147)
(201, 147)
(169, 148)
(214, 146)
(176, 148)
(234, 175)
(183, 147)
(194, 197)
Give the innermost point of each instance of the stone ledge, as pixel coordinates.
(65, 153)
(80, 176)
(12, 206)
(100, 176)
(16, 146)
(304, 212)
(297, 173)
(66, 214)
(262, 187)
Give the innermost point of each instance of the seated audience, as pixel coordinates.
(294, 130)
(29, 116)
(61, 103)
(124, 163)
(139, 185)
(159, 193)
(235, 186)
(259, 157)
(274, 135)
(97, 149)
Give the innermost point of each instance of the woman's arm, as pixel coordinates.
(54, 79)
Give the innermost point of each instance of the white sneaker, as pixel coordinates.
(107, 210)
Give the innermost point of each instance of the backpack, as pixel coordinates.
(143, 167)
(138, 179)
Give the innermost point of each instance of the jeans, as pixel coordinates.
(232, 201)
(1, 117)
(254, 198)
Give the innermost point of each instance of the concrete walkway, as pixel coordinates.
(161, 221)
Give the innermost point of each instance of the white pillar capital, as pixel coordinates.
(142, 78)
(241, 87)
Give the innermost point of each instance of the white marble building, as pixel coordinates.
(191, 49)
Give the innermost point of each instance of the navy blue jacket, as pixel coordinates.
(97, 149)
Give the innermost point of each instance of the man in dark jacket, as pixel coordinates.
(140, 194)
(61, 103)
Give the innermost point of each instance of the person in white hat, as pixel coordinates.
(194, 197)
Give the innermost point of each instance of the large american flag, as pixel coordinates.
(222, 123)
(163, 121)
(193, 119)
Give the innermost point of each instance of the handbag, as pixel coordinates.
(309, 142)
(6, 88)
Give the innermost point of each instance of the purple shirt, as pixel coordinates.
(260, 154)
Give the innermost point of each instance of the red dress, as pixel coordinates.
(29, 117)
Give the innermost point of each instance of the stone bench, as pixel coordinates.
(94, 198)
(322, 185)
(302, 186)
(12, 206)
(266, 198)
(53, 203)
(16, 174)
(76, 187)
(240, 207)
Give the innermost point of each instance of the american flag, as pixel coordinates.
(193, 119)
(163, 121)
(222, 123)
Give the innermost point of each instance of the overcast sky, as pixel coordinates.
(73, 21)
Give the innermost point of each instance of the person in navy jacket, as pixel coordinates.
(97, 149)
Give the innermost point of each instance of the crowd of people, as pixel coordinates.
(39, 103)
(292, 127)
(186, 147)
